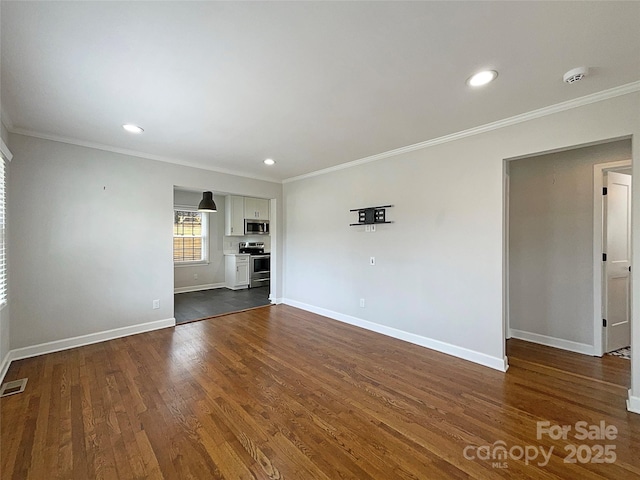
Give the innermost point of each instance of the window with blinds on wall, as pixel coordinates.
(3, 229)
(189, 236)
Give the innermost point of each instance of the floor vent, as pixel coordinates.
(11, 388)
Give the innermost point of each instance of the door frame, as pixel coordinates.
(599, 170)
(506, 306)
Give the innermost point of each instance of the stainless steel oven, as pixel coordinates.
(260, 270)
(259, 263)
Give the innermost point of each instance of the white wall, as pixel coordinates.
(91, 237)
(551, 242)
(439, 272)
(213, 272)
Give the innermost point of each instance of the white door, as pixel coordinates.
(617, 245)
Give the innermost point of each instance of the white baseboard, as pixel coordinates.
(633, 403)
(277, 301)
(4, 366)
(552, 342)
(198, 288)
(65, 344)
(460, 352)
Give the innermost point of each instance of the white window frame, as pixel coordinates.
(5, 158)
(204, 236)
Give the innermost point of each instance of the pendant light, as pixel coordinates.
(207, 204)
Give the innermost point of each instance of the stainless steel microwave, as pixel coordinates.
(256, 227)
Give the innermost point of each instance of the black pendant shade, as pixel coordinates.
(207, 204)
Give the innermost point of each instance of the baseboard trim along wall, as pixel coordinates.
(633, 403)
(552, 342)
(443, 347)
(198, 288)
(67, 343)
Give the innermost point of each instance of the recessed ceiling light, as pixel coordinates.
(482, 78)
(132, 128)
(269, 161)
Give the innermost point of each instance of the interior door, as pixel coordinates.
(617, 245)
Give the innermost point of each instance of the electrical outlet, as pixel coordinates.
(367, 228)
(362, 302)
(372, 260)
(156, 304)
(373, 228)
(195, 276)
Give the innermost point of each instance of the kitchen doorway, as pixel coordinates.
(204, 253)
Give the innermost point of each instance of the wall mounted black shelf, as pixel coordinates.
(371, 215)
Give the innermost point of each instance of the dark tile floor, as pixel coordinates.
(207, 303)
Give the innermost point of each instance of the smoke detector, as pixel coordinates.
(575, 75)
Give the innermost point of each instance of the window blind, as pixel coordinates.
(3, 230)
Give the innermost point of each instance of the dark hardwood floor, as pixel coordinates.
(277, 393)
(209, 303)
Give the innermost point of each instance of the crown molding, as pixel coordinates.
(542, 112)
(134, 153)
(524, 117)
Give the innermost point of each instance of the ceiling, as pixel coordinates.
(224, 85)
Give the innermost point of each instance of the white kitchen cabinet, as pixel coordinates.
(234, 216)
(237, 271)
(256, 208)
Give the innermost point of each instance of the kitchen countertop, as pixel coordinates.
(232, 253)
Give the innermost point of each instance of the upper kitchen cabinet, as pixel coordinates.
(234, 216)
(256, 208)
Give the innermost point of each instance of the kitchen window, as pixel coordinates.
(189, 236)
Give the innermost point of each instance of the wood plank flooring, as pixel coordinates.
(279, 393)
